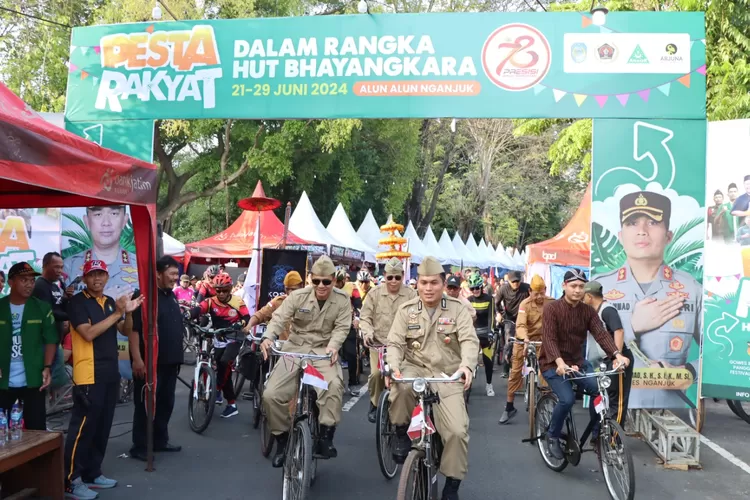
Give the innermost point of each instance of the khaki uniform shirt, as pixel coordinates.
(529, 320)
(671, 342)
(311, 327)
(379, 309)
(441, 343)
(265, 314)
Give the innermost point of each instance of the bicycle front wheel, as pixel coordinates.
(202, 399)
(531, 403)
(385, 437)
(298, 463)
(741, 410)
(616, 462)
(414, 483)
(543, 416)
(266, 438)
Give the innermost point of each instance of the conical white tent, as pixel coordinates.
(468, 259)
(474, 253)
(505, 261)
(369, 231)
(485, 251)
(416, 248)
(340, 227)
(305, 223)
(434, 249)
(448, 249)
(172, 247)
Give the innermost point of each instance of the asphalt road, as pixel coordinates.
(225, 461)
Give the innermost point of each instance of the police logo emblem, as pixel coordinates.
(676, 286)
(606, 53)
(614, 295)
(578, 52)
(675, 344)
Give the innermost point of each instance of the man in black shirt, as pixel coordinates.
(49, 288)
(508, 298)
(619, 390)
(170, 327)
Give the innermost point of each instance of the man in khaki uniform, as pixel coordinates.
(319, 318)
(376, 319)
(528, 328)
(433, 336)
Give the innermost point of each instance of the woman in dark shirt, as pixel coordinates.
(483, 305)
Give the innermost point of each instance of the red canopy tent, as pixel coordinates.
(43, 166)
(237, 240)
(572, 246)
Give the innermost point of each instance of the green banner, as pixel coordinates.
(493, 65)
(726, 344)
(648, 224)
(130, 137)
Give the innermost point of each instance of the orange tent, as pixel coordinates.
(572, 247)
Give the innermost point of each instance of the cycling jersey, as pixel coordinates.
(223, 315)
(205, 291)
(484, 307)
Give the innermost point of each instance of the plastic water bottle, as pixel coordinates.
(16, 414)
(3, 428)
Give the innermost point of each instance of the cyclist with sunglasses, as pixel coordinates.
(318, 318)
(483, 305)
(453, 289)
(225, 310)
(376, 319)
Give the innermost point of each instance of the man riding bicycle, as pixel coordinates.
(507, 301)
(433, 336)
(376, 319)
(225, 310)
(319, 318)
(565, 324)
(205, 288)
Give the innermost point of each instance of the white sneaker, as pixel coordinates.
(490, 391)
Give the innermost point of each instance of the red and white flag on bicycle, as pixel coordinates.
(314, 378)
(599, 404)
(418, 422)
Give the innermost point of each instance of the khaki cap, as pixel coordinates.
(537, 283)
(394, 266)
(324, 266)
(430, 266)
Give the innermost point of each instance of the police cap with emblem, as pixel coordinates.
(656, 207)
(324, 266)
(394, 267)
(430, 266)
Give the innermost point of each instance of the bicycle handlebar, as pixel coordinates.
(218, 331)
(516, 341)
(299, 355)
(581, 375)
(455, 378)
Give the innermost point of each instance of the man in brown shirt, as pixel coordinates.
(565, 324)
(528, 328)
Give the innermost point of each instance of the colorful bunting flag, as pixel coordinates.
(623, 98)
(665, 88)
(702, 70)
(644, 94)
(559, 94)
(685, 80)
(73, 48)
(96, 80)
(718, 279)
(579, 98)
(84, 50)
(538, 89)
(601, 99)
(84, 74)
(71, 67)
(604, 29)
(97, 49)
(586, 21)
(150, 29)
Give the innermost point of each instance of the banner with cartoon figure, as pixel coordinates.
(648, 227)
(27, 234)
(726, 345)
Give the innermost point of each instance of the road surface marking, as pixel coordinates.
(353, 401)
(724, 453)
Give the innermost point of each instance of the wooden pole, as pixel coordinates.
(287, 215)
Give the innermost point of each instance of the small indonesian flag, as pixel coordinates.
(314, 378)
(418, 422)
(599, 404)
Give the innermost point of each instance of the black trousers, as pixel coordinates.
(484, 342)
(349, 353)
(225, 358)
(88, 432)
(166, 382)
(34, 406)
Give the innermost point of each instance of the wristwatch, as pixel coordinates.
(616, 353)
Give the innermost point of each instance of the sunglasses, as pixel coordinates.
(391, 278)
(223, 290)
(475, 288)
(317, 282)
(453, 288)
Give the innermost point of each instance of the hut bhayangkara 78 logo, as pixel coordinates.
(516, 57)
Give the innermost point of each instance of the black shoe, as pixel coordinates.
(402, 446)
(281, 441)
(372, 415)
(139, 454)
(553, 444)
(325, 443)
(450, 490)
(169, 447)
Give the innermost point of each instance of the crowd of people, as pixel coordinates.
(445, 323)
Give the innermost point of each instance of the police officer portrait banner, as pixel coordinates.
(648, 226)
(726, 342)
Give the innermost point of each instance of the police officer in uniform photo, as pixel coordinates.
(660, 307)
(106, 225)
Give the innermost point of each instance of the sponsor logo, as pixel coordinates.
(123, 184)
(578, 52)
(671, 55)
(638, 56)
(516, 57)
(578, 237)
(549, 256)
(607, 52)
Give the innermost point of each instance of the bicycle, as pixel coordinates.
(385, 431)
(203, 388)
(610, 448)
(188, 336)
(532, 389)
(258, 382)
(737, 407)
(300, 463)
(418, 479)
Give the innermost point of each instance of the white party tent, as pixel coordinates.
(340, 227)
(434, 249)
(172, 247)
(416, 248)
(448, 249)
(305, 223)
(488, 254)
(474, 253)
(506, 261)
(369, 231)
(468, 259)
